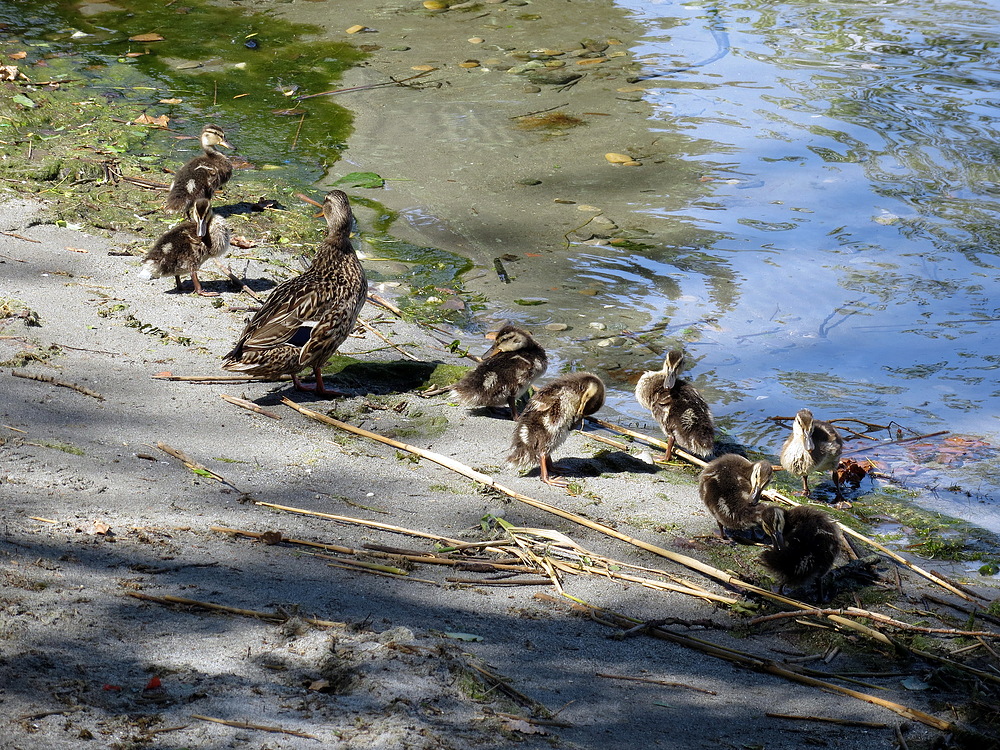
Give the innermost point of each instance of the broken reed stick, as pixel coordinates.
(830, 720)
(651, 681)
(958, 585)
(216, 379)
(17, 236)
(272, 616)
(244, 404)
(377, 299)
(688, 562)
(760, 664)
(778, 497)
(60, 383)
(237, 280)
(897, 441)
(260, 727)
(503, 582)
(191, 464)
(884, 619)
(385, 338)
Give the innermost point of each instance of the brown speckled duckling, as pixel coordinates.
(681, 412)
(812, 446)
(306, 318)
(182, 249)
(508, 369)
(204, 174)
(549, 416)
(731, 487)
(806, 544)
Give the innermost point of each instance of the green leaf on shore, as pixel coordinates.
(361, 180)
(23, 101)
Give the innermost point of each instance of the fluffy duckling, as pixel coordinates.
(806, 544)
(731, 487)
(508, 369)
(682, 413)
(813, 446)
(204, 174)
(549, 416)
(306, 318)
(182, 249)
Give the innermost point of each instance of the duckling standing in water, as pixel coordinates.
(806, 544)
(204, 174)
(508, 369)
(306, 318)
(549, 416)
(680, 410)
(812, 446)
(183, 248)
(731, 487)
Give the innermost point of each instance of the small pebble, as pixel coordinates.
(469, 64)
(476, 40)
(556, 327)
(585, 207)
(435, 5)
(596, 325)
(531, 89)
(567, 201)
(423, 67)
(618, 158)
(356, 29)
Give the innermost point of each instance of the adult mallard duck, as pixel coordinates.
(806, 542)
(680, 410)
(549, 416)
(508, 369)
(812, 446)
(306, 318)
(204, 174)
(731, 487)
(182, 249)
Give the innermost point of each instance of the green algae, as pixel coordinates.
(390, 377)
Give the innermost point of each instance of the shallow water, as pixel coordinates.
(851, 151)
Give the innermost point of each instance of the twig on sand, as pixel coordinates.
(260, 727)
(830, 720)
(244, 404)
(17, 236)
(217, 379)
(271, 616)
(237, 280)
(194, 466)
(385, 338)
(651, 681)
(884, 619)
(60, 383)
(365, 87)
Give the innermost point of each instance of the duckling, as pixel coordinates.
(549, 416)
(204, 174)
(306, 318)
(682, 413)
(812, 446)
(731, 486)
(806, 544)
(508, 369)
(183, 248)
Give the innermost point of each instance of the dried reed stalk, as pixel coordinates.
(60, 383)
(272, 616)
(651, 681)
(385, 338)
(688, 562)
(830, 720)
(244, 404)
(884, 619)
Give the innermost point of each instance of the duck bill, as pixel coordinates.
(493, 351)
(779, 540)
(202, 224)
(224, 142)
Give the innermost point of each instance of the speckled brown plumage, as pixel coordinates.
(306, 318)
(548, 418)
(676, 405)
(204, 174)
(806, 544)
(731, 487)
(181, 250)
(812, 446)
(508, 369)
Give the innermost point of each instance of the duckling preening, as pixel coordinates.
(681, 412)
(204, 174)
(549, 416)
(806, 542)
(813, 446)
(508, 369)
(306, 318)
(182, 249)
(731, 487)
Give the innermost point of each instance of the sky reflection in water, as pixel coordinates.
(852, 152)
